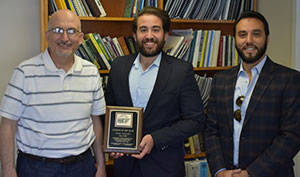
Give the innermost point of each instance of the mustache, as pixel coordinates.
(64, 42)
(150, 40)
(250, 45)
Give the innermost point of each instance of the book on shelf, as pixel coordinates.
(98, 50)
(128, 8)
(87, 8)
(192, 146)
(52, 7)
(103, 48)
(101, 8)
(113, 45)
(204, 85)
(109, 48)
(207, 9)
(118, 47)
(94, 8)
(197, 168)
(123, 45)
(173, 44)
(202, 47)
(90, 54)
(96, 54)
(131, 44)
(60, 4)
(83, 53)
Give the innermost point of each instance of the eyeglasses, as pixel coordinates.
(59, 30)
(237, 113)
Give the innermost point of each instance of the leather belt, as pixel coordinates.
(63, 161)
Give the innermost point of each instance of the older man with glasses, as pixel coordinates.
(52, 106)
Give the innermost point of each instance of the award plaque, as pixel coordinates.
(123, 129)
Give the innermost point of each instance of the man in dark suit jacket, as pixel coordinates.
(253, 115)
(166, 88)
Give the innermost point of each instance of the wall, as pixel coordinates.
(20, 36)
(284, 21)
(279, 16)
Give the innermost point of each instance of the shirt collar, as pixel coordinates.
(256, 68)
(49, 64)
(137, 62)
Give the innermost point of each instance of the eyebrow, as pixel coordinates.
(156, 26)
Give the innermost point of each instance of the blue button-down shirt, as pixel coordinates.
(243, 87)
(141, 82)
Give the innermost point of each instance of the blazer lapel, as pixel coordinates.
(160, 83)
(125, 77)
(229, 93)
(261, 86)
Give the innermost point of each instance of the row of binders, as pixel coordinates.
(133, 7)
(103, 50)
(204, 84)
(94, 8)
(197, 168)
(202, 48)
(85, 8)
(207, 9)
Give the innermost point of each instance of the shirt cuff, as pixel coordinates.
(222, 169)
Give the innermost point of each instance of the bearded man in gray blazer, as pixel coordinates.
(253, 115)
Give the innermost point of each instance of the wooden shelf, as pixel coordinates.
(194, 156)
(209, 71)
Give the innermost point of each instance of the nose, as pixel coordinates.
(65, 36)
(249, 38)
(149, 34)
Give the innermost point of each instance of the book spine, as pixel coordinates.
(101, 9)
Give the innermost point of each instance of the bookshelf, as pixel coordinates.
(115, 25)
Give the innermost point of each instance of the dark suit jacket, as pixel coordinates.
(173, 113)
(270, 136)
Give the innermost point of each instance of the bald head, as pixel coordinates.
(64, 16)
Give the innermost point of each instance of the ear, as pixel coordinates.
(134, 36)
(81, 35)
(166, 36)
(47, 35)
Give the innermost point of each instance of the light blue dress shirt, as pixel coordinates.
(141, 82)
(243, 87)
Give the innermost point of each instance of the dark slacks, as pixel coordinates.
(27, 167)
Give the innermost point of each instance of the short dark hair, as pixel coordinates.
(163, 15)
(252, 14)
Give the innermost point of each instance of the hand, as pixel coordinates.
(145, 147)
(101, 171)
(229, 173)
(244, 173)
(9, 173)
(116, 155)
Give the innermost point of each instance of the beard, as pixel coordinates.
(252, 58)
(150, 53)
(63, 52)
